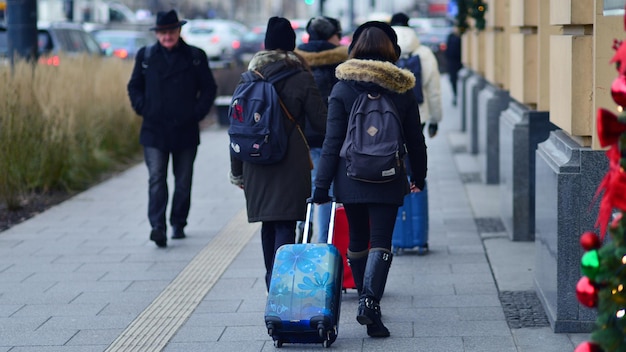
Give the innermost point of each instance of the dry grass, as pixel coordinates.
(62, 127)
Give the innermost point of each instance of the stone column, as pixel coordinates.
(473, 85)
(491, 102)
(521, 130)
(567, 178)
(461, 88)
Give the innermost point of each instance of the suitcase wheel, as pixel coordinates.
(278, 343)
(320, 331)
(327, 336)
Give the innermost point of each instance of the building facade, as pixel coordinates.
(533, 80)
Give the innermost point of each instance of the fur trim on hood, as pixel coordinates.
(382, 73)
(266, 57)
(333, 56)
(407, 39)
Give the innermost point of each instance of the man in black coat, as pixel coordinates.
(453, 59)
(172, 88)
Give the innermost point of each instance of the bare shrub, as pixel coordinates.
(63, 126)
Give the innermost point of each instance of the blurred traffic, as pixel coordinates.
(250, 43)
(53, 39)
(123, 44)
(218, 38)
(433, 33)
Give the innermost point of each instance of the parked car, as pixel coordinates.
(217, 37)
(56, 38)
(425, 24)
(251, 43)
(123, 43)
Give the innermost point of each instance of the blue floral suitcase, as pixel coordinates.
(304, 297)
(411, 228)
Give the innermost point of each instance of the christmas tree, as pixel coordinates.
(603, 265)
(474, 8)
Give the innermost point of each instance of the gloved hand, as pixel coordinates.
(236, 180)
(320, 196)
(432, 129)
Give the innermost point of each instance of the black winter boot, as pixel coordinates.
(374, 280)
(357, 262)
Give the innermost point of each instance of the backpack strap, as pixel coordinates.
(196, 55)
(280, 75)
(147, 53)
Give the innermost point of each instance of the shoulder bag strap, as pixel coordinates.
(306, 144)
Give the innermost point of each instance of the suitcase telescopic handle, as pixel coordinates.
(307, 222)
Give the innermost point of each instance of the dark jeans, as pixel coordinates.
(453, 75)
(182, 165)
(370, 224)
(273, 235)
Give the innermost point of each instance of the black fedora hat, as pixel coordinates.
(167, 20)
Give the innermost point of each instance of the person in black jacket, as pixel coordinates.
(323, 53)
(371, 208)
(172, 88)
(453, 59)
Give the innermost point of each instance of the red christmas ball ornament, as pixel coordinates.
(586, 292)
(618, 90)
(616, 221)
(590, 240)
(588, 347)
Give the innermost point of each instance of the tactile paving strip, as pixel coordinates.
(489, 225)
(523, 309)
(470, 177)
(156, 325)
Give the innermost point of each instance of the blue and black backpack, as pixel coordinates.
(257, 119)
(414, 64)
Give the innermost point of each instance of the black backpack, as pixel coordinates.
(374, 144)
(414, 64)
(257, 119)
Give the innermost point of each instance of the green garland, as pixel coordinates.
(474, 8)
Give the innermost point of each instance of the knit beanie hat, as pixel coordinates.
(322, 28)
(280, 34)
(380, 25)
(400, 19)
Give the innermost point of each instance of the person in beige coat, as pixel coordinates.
(431, 108)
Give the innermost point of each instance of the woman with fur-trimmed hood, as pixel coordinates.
(371, 208)
(323, 53)
(276, 194)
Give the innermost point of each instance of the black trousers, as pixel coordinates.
(273, 235)
(371, 224)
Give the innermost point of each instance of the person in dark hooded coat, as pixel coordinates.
(323, 53)
(371, 208)
(276, 194)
